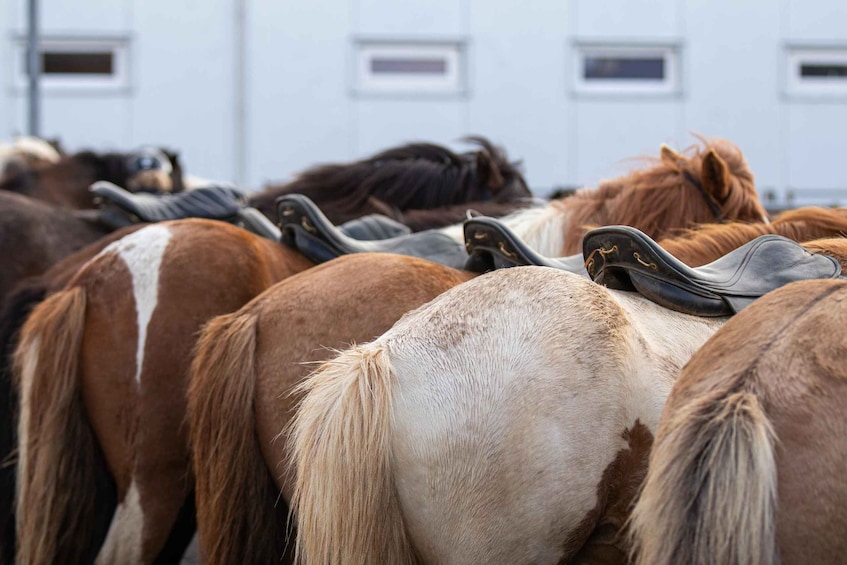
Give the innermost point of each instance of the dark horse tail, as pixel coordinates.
(238, 517)
(15, 310)
(58, 459)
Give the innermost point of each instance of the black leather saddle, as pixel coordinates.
(305, 228)
(624, 258)
(491, 245)
(212, 202)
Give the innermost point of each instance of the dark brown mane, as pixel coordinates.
(664, 194)
(707, 242)
(415, 176)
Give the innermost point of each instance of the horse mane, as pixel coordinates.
(835, 247)
(661, 195)
(706, 242)
(409, 177)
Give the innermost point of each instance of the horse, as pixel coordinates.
(747, 462)
(28, 152)
(129, 319)
(402, 182)
(509, 420)
(65, 182)
(247, 363)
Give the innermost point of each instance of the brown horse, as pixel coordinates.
(135, 311)
(65, 183)
(421, 185)
(249, 362)
(748, 461)
(508, 420)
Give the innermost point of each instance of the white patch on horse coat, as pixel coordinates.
(541, 227)
(513, 391)
(123, 542)
(142, 251)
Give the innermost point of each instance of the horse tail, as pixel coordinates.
(57, 449)
(16, 308)
(690, 509)
(345, 500)
(237, 516)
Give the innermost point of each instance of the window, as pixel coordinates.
(76, 63)
(620, 69)
(817, 72)
(409, 68)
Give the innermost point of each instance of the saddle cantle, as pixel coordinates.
(491, 245)
(305, 228)
(624, 258)
(211, 202)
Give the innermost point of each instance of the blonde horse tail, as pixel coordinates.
(345, 501)
(57, 448)
(710, 492)
(238, 518)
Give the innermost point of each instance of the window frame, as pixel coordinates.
(669, 85)
(367, 83)
(117, 80)
(797, 86)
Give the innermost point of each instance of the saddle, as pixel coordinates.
(374, 226)
(306, 229)
(491, 245)
(624, 258)
(212, 202)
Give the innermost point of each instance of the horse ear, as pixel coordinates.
(669, 155)
(715, 176)
(488, 171)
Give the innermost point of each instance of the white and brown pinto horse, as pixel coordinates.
(507, 421)
(748, 462)
(105, 362)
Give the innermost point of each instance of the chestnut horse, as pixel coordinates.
(249, 362)
(117, 342)
(509, 420)
(748, 461)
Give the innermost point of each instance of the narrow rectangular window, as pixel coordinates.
(816, 72)
(625, 69)
(409, 68)
(77, 63)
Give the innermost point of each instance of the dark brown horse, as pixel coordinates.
(65, 183)
(130, 317)
(420, 184)
(748, 461)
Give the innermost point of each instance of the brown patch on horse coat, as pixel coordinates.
(598, 539)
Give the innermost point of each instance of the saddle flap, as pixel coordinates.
(211, 202)
(624, 258)
(305, 228)
(492, 245)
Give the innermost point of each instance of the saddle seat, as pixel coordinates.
(624, 258)
(211, 202)
(305, 228)
(491, 245)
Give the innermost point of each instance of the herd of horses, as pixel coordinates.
(189, 377)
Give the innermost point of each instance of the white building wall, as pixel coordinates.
(300, 106)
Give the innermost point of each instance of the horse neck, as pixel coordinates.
(541, 227)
